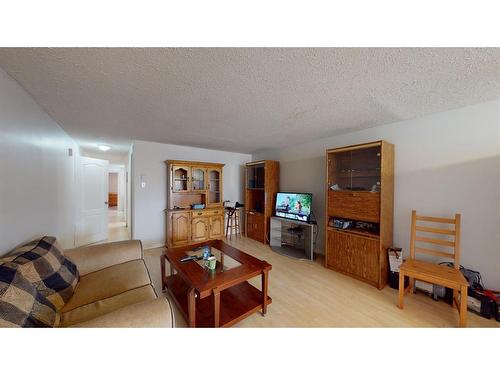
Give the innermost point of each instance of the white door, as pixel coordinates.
(93, 201)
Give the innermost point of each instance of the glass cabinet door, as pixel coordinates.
(180, 178)
(365, 169)
(198, 177)
(255, 176)
(356, 170)
(214, 186)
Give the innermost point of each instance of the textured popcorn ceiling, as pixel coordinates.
(246, 100)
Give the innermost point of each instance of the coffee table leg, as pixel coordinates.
(162, 265)
(192, 308)
(264, 291)
(216, 297)
(172, 269)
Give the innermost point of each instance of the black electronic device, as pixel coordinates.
(480, 304)
(340, 223)
(191, 257)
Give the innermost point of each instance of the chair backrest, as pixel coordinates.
(452, 241)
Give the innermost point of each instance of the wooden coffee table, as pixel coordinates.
(218, 298)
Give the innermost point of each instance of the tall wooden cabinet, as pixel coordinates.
(359, 210)
(261, 186)
(193, 183)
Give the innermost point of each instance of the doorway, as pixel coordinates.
(117, 215)
(102, 202)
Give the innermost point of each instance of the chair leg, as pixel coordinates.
(231, 226)
(234, 224)
(411, 284)
(455, 300)
(463, 307)
(401, 289)
(238, 230)
(227, 225)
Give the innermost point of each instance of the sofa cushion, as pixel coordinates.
(44, 265)
(156, 313)
(107, 305)
(21, 304)
(96, 257)
(108, 282)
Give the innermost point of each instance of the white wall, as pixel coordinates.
(148, 204)
(445, 163)
(37, 177)
(113, 182)
(120, 158)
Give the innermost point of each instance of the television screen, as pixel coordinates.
(295, 206)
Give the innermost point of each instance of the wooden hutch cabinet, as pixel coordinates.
(191, 183)
(261, 186)
(359, 210)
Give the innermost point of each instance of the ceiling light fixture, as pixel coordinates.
(104, 147)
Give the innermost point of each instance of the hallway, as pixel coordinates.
(117, 226)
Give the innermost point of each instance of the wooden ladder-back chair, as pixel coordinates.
(435, 273)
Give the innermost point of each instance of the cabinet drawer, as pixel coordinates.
(353, 254)
(199, 229)
(362, 205)
(204, 213)
(180, 225)
(216, 226)
(255, 226)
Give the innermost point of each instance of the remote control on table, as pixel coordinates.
(191, 257)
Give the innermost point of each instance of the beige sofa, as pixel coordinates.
(114, 290)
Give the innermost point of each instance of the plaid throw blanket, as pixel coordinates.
(21, 304)
(41, 263)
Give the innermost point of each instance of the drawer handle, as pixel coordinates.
(200, 213)
(216, 212)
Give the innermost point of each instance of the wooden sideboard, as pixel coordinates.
(112, 199)
(190, 183)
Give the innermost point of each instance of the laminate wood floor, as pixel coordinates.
(306, 294)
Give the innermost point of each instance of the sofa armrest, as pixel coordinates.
(149, 314)
(97, 257)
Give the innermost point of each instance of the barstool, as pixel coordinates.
(233, 220)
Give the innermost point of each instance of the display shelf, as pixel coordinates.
(187, 186)
(363, 176)
(262, 184)
(359, 232)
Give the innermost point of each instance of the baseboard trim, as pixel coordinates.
(153, 245)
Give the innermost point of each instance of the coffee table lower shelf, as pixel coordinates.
(236, 303)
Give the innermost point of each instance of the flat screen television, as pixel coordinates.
(295, 206)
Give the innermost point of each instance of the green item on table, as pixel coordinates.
(211, 263)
